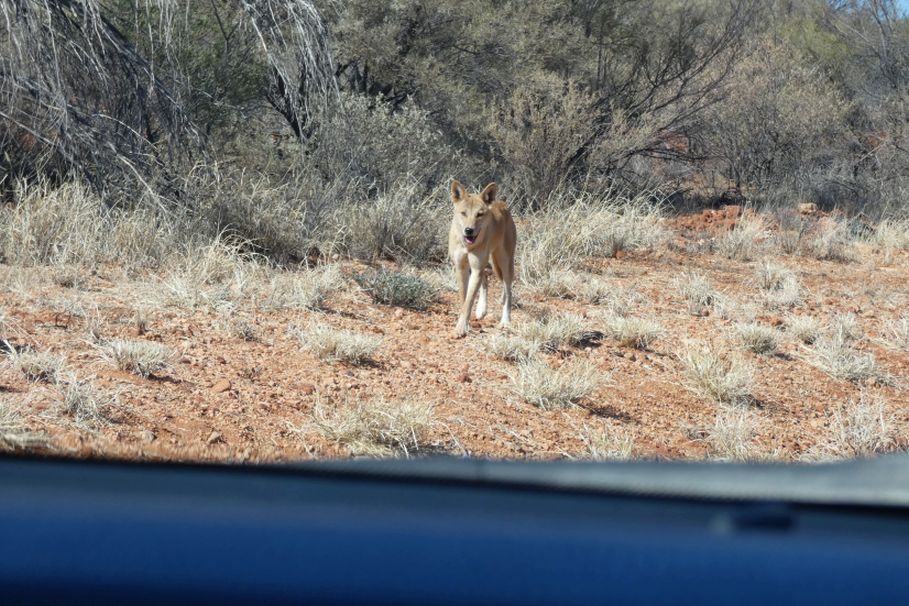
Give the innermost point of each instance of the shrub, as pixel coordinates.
(85, 403)
(731, 436)
(896, 334)
(541, 385)
(397, 288)
(803, 328)
(722, 378)
(331, 344)
(555, 331)
(378, 428)
(757, 338)
(862, 428)
(144, 358)
(607, 444)
(745, 240)
(698, 292)
(633, 332)
(38, 366)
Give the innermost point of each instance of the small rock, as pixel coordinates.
(215, 438)
(148, 436)
(464, 377)
(307, 389)
(399, 313)
(221, 386)
(221, 360)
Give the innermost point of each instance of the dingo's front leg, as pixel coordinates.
(477, 266)
(481, 300)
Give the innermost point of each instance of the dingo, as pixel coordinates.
(482, 231)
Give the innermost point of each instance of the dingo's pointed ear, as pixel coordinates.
(489, 193)
(457, 192)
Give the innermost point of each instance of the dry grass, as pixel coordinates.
(731, 438)
(839, 359)
(207, 275)
(757, 338)
(43, 367)
(891, 235)
(555, 331)
(725, 378)
(806, 329)
(305, 289)
(334, 345)
(895, 334)
(143, 358)
(572, 230)
(541, 385)
(633, 332)
(14, 432)
(87, 405)
(397, 288)
(378, 428)
(698, 292)
(607, 444)
(512, 347)
(779, 285)
(746, 240)
(829, 240)
(845, 327)
(861, 428)
(569, 284)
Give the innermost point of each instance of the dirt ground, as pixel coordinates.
(230, 399)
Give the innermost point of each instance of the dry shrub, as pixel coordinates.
(554, 331)
(840, 360)
(37, 366)
(334, 345)
(512, 348)
(744, 241)
(606, 443)
(829, 240)
(69, 225)
(402, 225)
(896, 334)
(86, 404)
(14, 432)
(862, 428)
(633, 332)
(567, 233)
(731, 438)
(803, 328)
(539, 384)
(397, 288)
(757, 338)
(143, 358)
(891, 234)
(305, 289)
(378, 428)
(580, 286)
(207, 275)
(725, 378)
(780, 285)
(699, 293)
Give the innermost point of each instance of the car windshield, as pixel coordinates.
(271, 232)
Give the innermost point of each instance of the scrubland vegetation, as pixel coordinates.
(223, 228)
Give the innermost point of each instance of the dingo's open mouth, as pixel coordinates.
(470, 239)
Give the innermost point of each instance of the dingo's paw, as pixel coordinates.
(461, 329)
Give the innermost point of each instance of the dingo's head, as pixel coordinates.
(471, 210)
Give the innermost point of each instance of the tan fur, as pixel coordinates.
(495, 243)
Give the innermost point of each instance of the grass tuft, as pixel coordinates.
(378, 428)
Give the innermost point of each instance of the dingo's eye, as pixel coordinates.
(463, 214)
(480, 215)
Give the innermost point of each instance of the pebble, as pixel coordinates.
(221, 386)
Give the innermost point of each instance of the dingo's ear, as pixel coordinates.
(457, 192)
(489, 193)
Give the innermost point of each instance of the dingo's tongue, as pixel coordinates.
(470, 239)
